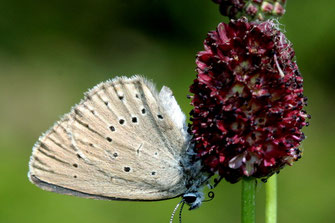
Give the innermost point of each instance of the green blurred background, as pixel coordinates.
(53, 51)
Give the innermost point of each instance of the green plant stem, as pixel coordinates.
(271, 200)
(248, 199)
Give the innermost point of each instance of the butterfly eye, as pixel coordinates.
(190, 198)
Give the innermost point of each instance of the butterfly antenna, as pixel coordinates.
(210, 195)
(175, 209)
(217, 181)
(181, 210)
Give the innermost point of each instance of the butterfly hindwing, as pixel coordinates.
(120, 142)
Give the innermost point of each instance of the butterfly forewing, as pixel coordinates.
(120, 142)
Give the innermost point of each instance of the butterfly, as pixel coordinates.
(123, 141)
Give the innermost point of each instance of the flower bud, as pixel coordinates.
(252, 9)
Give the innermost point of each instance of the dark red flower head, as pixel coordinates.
(248, 101)
(253, 9)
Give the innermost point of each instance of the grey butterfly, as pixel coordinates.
(123, 141)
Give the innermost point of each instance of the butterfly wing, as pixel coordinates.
(122, 141)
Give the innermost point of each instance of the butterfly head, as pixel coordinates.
(193, 199)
